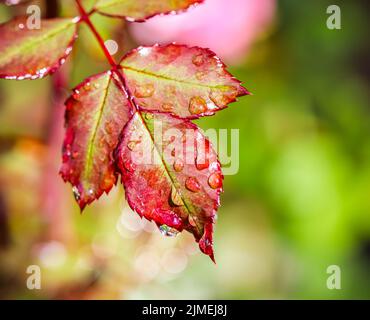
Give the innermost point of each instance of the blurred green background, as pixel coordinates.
(299, 203)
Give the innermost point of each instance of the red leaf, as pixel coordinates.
(140, 10)
(171, 175)
(187, 82)
(34, 53)
(96, 114)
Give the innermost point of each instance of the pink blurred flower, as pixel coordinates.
(228, 27)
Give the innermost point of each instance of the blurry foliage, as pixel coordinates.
(299, 203)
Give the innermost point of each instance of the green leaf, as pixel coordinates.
(34, 53)
(139, 10)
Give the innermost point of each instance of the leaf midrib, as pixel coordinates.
(91, 144)
(163, 77)
(166, 168)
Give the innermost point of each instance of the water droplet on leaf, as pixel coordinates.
(176, 197)
(178, 165)
(132, 144)
(192, 220)
(167, 106)
(198, 60)
(149, 116)
(192, 184)
(197, 105)
(144, 91)
(215, 180)
(168, 231)
(76, 193)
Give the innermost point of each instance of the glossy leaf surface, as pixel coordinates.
(188, 82)
(171, 175)
(95, 116)
(34, 53)
(139, 10)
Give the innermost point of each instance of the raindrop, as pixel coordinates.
(201, 163)
(87, 86)
(128, 165)
(144, 91)
(76, 193)
(197, 105)
(168, 231)
(167, 106)
(192, 220)
(192, 184)
(76, 95)
(200, 75)
(132, 144)
(176, 197)
(149, 116)
(178, 165)
(109, 127)
(91, 192)
(198, 60)
(215, 180)
(218, 98)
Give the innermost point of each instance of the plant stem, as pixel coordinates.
(85, 17)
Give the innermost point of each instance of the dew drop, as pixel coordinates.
(178, 165)
(176, 197)
(197, 105)
(192, 184)
(90, 192)
(200, 75)
(201, 163)
(215, 180)
(76, 193)
(168, 231)
(149, 116)
(87, 86)
(220, 98)
(132, 144)
(198, 60)
(167, 106)
(76, 95)
(109, 128)
(192, 220)
(128, 165)
(144, 91)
